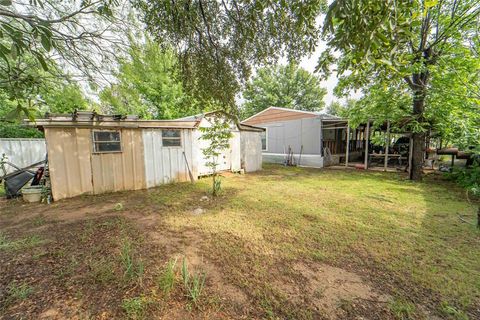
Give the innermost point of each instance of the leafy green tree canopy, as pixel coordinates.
(399, 40)
(42, 42)
(286, 86)
(66, 28)
(148, 85)
(218, 42)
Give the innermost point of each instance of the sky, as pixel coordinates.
(309, 64)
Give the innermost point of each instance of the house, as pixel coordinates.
(90, 153)
(315, 139)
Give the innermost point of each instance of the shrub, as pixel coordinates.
(14, 130)
(468, 178)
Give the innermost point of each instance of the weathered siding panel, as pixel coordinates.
(235, 151)
(166, 164)
(251, 150)
(121, 170)
(293, 133)
(69, 161)
(22, 152)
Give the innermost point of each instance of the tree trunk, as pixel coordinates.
(418, 138)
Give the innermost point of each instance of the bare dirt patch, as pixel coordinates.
(331, 288)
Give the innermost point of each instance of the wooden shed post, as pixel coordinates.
(367, 137)
(348, 144)
(387, 146)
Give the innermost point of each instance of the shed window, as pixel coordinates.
(106, 141)
(171, 138)
(264, 140)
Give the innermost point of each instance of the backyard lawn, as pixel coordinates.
(284, 243)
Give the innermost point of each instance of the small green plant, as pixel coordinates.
(135, 308)
(131, 267)
(402, 309)
(193, 283)
(19, 291)
(218, 135)
(118, 206)
(166, 280)
(451, 312)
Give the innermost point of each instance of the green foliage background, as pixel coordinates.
(285, 86)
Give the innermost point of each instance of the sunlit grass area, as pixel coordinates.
(399, 230)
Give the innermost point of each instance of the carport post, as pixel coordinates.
(348, 144)
(386, 147)
(367, 138)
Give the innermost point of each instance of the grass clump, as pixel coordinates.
(132, 267)
(20, 291)
(450, 312)
(135, 308)
(402, 309)
(20, 244)
(102, 271)
(39, 221)
(166, 280)
(17, 292)
(194, 283)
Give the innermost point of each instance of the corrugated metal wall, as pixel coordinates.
(122, 170)
(22, 152)
(69, 161)
(143, 161)
(167, 164)
(251, 150)
(75, 170)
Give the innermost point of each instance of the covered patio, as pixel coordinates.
(365, 146)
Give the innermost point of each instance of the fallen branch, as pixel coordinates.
(463, 220)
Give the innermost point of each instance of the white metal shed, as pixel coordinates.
(91, 154)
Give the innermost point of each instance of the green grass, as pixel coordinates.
(402, 239)
(135, 308)
(166, 279)
(20, 244)
(193, 283)
(133, 267)
(408, 232)
(19, 291)
(402, 309)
